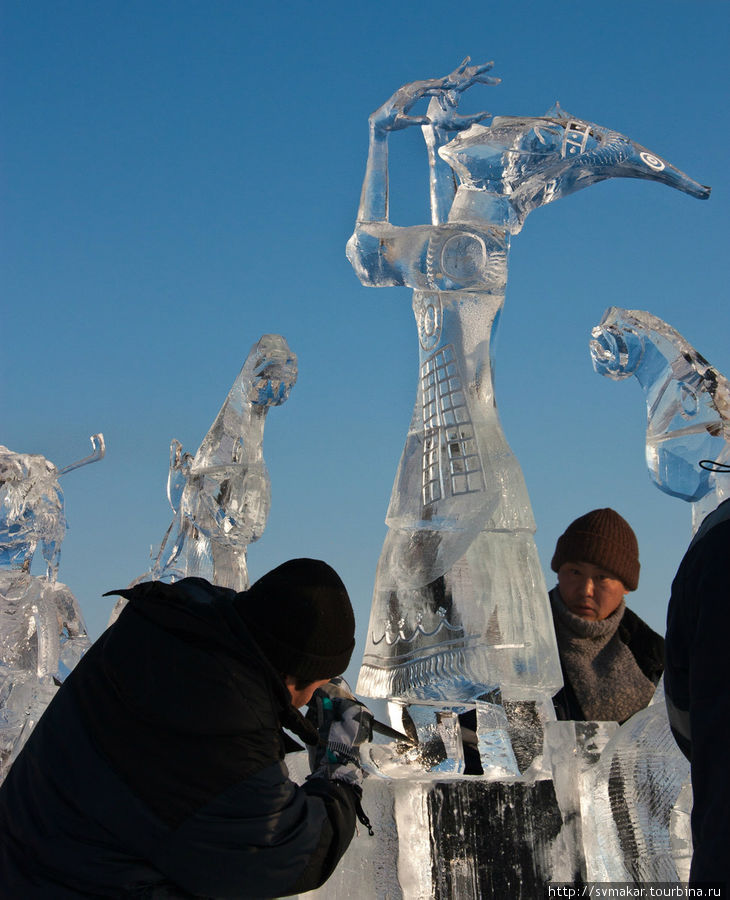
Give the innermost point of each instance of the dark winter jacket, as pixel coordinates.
(157, 770)
(697, 690)
(647, 648)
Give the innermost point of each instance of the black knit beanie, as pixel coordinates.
(301, 617)
(604, 538)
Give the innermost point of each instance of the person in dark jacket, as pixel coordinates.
(158, 768)
(696, 689)
(611, 659)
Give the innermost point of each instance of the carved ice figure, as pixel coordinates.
(460, 604)
(687, 434)
(221, 496)
(42, 630)
(687, 402)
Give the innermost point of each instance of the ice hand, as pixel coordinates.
(464, 76)
(343, 724)
(393, 114)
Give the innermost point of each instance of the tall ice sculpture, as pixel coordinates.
(460, 638)
(460, 604)
(42, 630)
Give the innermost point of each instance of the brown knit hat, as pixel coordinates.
(604, 538)
(301, 617)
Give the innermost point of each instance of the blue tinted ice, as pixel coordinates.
(687, 401)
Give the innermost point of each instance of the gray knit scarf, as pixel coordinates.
(607, 680)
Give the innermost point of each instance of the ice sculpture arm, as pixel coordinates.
(443, 122)
(383, 254)
(98, 448)
(688, 401)
(393, 116)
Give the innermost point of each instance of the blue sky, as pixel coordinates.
(179, 178)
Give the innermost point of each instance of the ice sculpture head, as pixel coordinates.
(31, 510)
(274, 371)
(688, 401)
(528, 162)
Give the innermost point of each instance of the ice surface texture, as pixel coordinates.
(42, 630)
(460, 604)
(222, 495)
(636, 801)
(687, 402)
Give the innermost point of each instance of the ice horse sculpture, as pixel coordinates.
(221, 496)
(687, 401)
(460, 604)
(644, 808)
(42, 630)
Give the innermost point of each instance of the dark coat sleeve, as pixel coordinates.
(646, 646)
(266, 837)
(698, 624)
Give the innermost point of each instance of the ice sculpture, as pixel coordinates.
(221, 496)
(636, 803)
(687, 401)
(460, 605)
(42, 630)
(642, 812)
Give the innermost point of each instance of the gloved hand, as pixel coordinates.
(343, 724)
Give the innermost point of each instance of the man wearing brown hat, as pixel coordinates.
(611, 659)
(158, 768)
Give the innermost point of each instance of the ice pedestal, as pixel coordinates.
(454, 838)
(447, 837)
(599, 802)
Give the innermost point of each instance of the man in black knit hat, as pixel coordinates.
(611, 659)
(157, 770)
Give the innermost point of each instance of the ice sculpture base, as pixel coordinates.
(452, 835)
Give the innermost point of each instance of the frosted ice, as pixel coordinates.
(460, 604)
(42, 630)
(221, 496)
(635, 803)
(687, 401)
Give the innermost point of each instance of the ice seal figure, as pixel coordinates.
(42, 629)
(460, 604)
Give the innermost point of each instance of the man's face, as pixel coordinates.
(589, 591)
(302, 697)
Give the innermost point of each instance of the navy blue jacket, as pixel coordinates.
(157, 770)
(697, 688)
